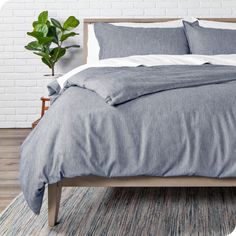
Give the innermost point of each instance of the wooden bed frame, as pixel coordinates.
(54, 190)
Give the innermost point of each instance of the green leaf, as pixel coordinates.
(57, 53)
(42, 54)
(45, 40)
(47, 62)
(43, 17)
(41, 28)
(66, 36)
(52, 32)
(48, 24)
(35, 23)
(35, 34)
(73, 46)
(34, 46)
(56, 23)
(41, 39)
(45, 58)
(70, 23)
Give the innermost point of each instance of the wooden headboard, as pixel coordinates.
(137, 20)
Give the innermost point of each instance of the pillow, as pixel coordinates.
(118, 41)
(209, 41)
(93, 46)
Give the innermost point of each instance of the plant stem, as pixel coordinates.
(53, 73)
(53, 66)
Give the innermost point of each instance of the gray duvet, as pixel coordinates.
(156, 121)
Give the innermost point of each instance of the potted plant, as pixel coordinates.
(50, 35)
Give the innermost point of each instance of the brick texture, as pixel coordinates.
(21, 72)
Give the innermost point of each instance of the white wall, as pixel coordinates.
(21, 71)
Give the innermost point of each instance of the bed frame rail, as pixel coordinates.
(54, 190)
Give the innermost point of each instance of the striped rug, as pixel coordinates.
(129, 211)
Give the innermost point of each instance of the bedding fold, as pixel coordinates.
(153, 60)
(117, 85)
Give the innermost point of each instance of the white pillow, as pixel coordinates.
(93, 46)
(217, 25)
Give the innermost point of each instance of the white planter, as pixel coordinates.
(47, 79)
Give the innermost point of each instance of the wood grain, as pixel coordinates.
(54, 197)
(10, 141)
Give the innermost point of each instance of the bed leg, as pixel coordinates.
(54, 197)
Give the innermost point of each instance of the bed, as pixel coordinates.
(169, 180)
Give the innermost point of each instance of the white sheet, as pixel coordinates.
(153, 60)
(217, 25)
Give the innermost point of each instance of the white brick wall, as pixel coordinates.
(20, 71)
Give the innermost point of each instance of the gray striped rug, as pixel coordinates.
(129, 211)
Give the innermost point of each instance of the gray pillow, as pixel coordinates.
(119, 41)
(209, 41)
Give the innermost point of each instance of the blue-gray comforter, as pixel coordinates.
(156, 121)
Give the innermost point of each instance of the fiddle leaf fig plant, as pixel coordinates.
(49, 36)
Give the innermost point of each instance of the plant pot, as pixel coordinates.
(47, 79)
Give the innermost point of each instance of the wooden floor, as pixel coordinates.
(10, 141)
